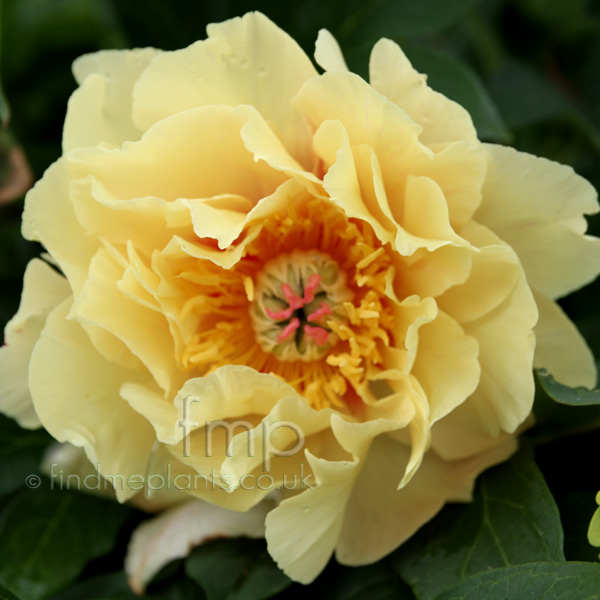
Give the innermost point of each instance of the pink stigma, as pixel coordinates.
(311, 285)
(289, 329)
(280, 315)
(324, 310)
(317, 333)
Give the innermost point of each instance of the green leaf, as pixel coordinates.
(550, 581)
(524, 97)
(567, 395)
(6, 595)
(112, 586)
(238, 569)
(455, 79)
(392, 18)
(512, 520)
(20, 454)
(47, 537)
(375, 582)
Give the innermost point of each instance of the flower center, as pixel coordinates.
(298, 297)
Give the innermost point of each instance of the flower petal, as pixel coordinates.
(379, 517)
(50, 218)
(446, 365)
(76, 395)
(442, 119)
(328, 54)
(560, 348)
(174, 533)
(99, 111)
(506, 345)
(494, 273)
(536, 205)
(246, 60)
(43, 290)
(143, 331)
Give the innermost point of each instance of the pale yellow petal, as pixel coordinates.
(560, 348)
(171, 535)
(431, 273)
(174, 160)
(459, 168)
(232, 391)
(145, 332)
(462, 433)
(506, 345)
(446, 365)
(76, 396)
(386, 516)
(342, 179)
(319, 512)
(494, 273)
(536, 205)
(43, 290)
(49, 218)
(246, 60)
(442, 119)
(99, 111)
(328, 54)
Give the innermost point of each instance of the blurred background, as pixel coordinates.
(527, 71)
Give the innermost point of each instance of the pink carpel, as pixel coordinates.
(295, 301)
(280, 315)
(324, 310)
(311, 285)
(289, 329)
(320, 335)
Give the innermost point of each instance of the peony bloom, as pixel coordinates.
(241, 238)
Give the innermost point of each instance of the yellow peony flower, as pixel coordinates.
(246, 240)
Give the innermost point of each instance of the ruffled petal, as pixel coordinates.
(43, 290)
(328, 54)
(442, 119)
(246, 60)
(537, 206)
(99, 111)
(560, 348)
(143, 331)
(76, 396)
(388, 516)
(504, 397)
(319, 512)
(49, 218)
(446, 365)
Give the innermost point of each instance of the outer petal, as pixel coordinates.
(328, 53)
(446, 365)
(49, 218)
(442, 119)
(197, 153)
(145, 332)
(459, 168)
(378, 517)
(99, 111)
(76, 395)
(43, 290)
(246, 60)
(560, 348)
(536, 206)
(172, 534)
(506, 345)
(318, 513)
